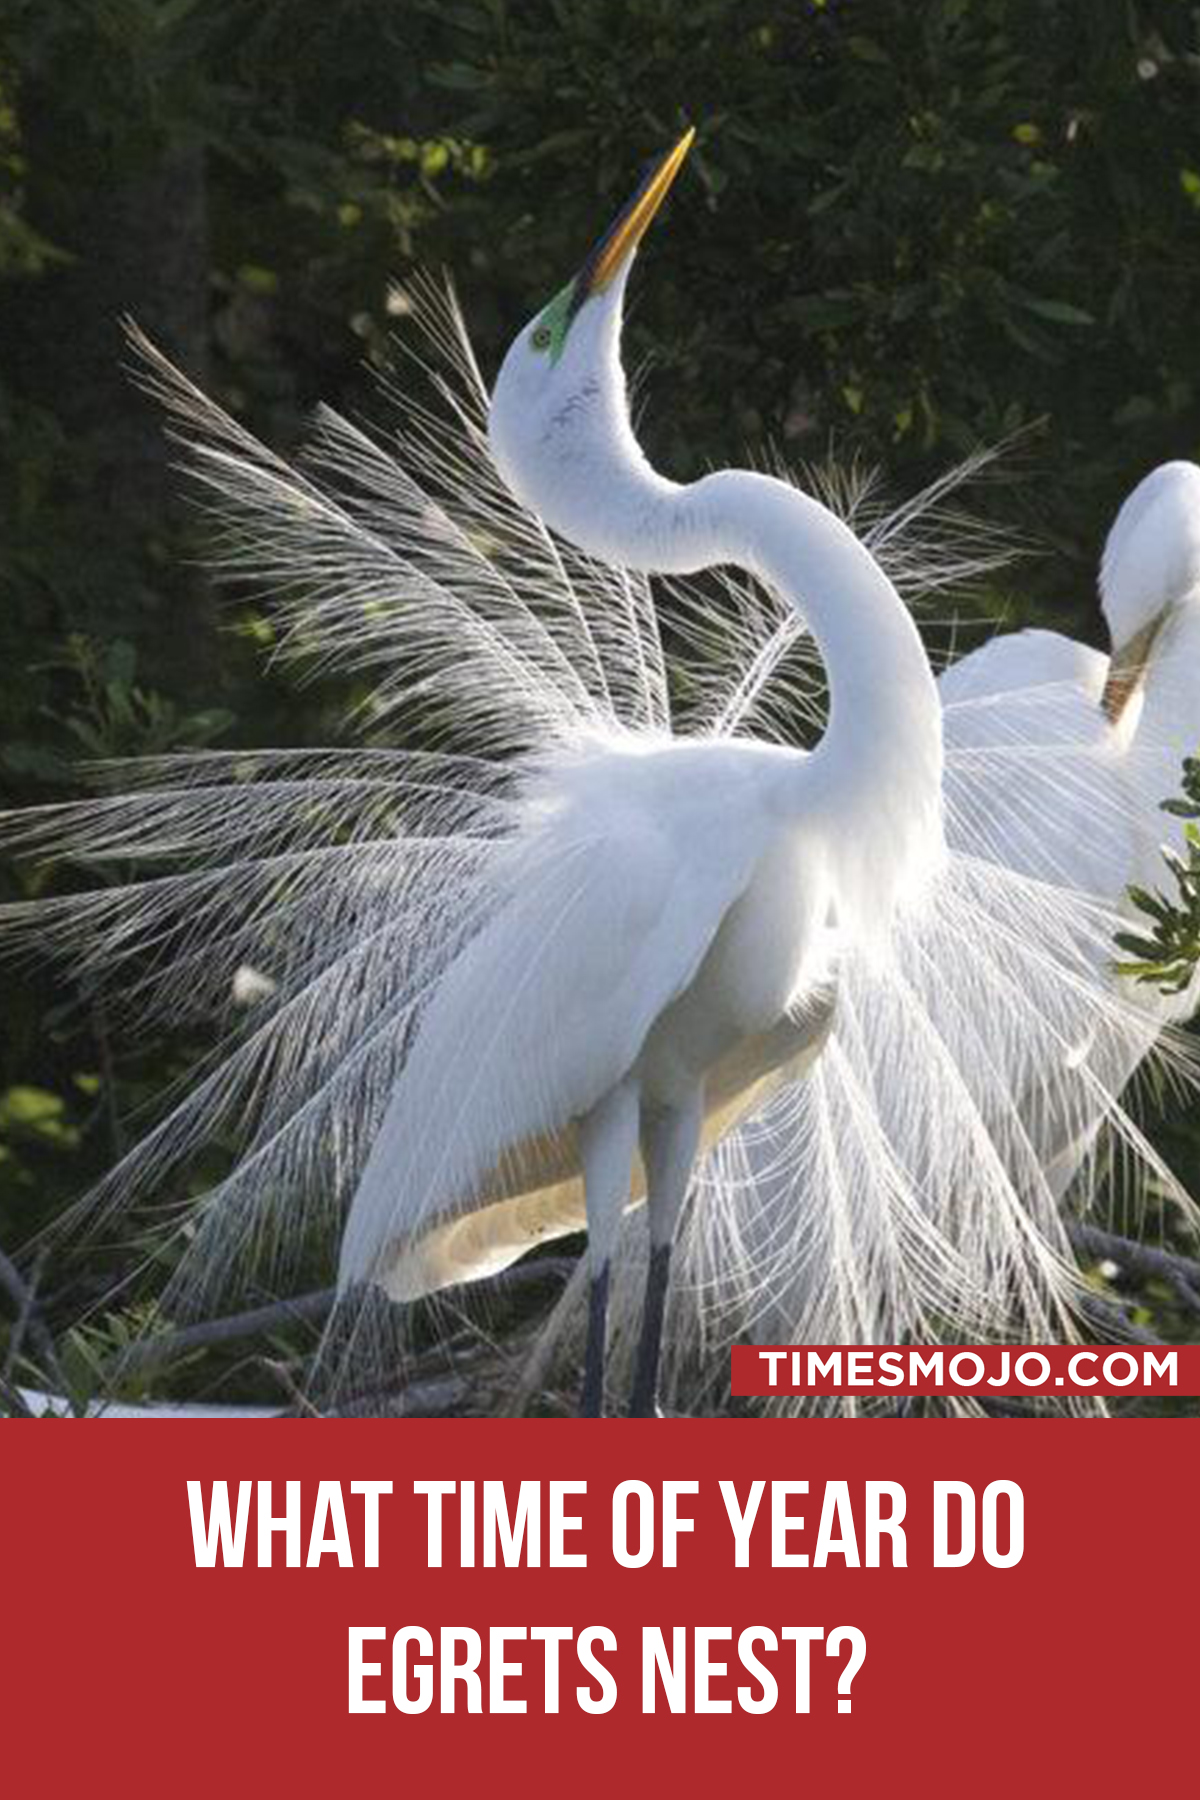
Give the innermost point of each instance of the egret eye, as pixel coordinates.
(542, 338)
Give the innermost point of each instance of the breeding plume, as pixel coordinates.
(613, 929)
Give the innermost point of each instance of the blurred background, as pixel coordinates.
(905, 230)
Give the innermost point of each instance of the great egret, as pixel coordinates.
(661, 944)
(1114, 731)
(490, 971)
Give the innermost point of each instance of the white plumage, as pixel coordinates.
(624, 892)
(1113, 733)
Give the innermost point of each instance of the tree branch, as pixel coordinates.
(166, 1346)
(1181, 1273)
(304, 1309)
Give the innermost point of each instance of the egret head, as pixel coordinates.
(1150, 569)
(559, 424)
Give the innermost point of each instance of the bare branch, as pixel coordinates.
(168, 1345)
(1181, 1273)
(427, 1399)
(303, 1309)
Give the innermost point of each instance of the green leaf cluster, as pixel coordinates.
(1167, 952)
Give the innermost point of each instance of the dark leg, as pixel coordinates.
(644, 1404)
(607, 1143)
(670, 1137)
(591, 1402)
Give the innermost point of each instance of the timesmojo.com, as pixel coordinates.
(781, 1369)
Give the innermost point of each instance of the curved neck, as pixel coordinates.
(876, 776)
(881, 689)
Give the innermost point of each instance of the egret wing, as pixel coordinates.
(1012, 664)
(539, 1016)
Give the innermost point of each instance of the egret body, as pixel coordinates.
(664, 948)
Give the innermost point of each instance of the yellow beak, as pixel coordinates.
(631, 224)
(1127, 668)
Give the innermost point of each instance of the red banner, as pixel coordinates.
(209, 1608)
(982, 1370)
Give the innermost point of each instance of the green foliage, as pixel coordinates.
(22, 250)
(1167, 953)
(116, 716)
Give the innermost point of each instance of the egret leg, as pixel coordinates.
(591, 1402)
(643, 1402)
(670, 1140)
(607, 1142)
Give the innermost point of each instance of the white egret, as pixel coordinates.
(509, 985)
(661, 942)
(1114, 732)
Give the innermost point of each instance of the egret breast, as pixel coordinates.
(768, 951)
